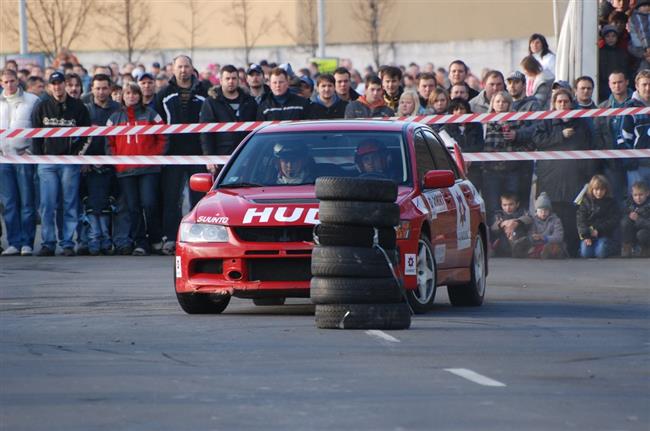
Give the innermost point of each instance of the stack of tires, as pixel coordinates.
(353, 284)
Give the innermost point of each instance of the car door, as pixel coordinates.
(442, 210)
(461, 196)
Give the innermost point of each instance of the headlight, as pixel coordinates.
(199, 232)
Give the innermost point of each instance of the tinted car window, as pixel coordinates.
(441, 156)
(423, 157)
(332, 153)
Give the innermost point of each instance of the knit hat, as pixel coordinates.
(543, 201)
(609, 28)
(640, 3)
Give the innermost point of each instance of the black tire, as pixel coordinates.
(350, 262)
(269, 301)
(354, 290)
(363, 316)
(356, 189)
(202, 303)
(379, 214)
(421, 298)
(472, 294)
(354, 236)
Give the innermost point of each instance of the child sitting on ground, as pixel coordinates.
(597, 219)
(510, 228)
(546, 234)
(636, 222)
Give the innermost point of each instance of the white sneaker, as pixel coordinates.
(11, 251)
(169, 248)
(26, 251)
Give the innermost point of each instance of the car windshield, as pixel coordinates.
(271, 159)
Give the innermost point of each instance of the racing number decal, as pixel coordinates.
(179, 271)
(462, 218)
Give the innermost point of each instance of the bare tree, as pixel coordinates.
(53, 25)
(194, 24)
(128, 22)
(306, 35)
(241, 17)
(372, 15)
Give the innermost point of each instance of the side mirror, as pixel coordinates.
(201, 182)
(439, 179)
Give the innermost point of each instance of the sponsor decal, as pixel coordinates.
(410, 264)
(440, 252)
(179, 271)
(212, 220)
(281, 214)
(436, 202)
(462, 218)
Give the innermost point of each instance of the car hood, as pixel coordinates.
(267, 206)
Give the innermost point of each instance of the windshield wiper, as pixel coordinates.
(241, 184)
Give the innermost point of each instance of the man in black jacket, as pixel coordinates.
(343, 85)
(281, 104)
(59, 110)
(179, 103)
(224, 104)
(327, 104)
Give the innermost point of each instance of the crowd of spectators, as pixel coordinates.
(136, 210)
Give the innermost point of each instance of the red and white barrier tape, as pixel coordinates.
(220, 160)
(247, 126)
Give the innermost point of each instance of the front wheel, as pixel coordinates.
(202, 303)
(471, 294)
(421, 298)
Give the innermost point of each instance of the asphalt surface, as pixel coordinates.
(101, 344)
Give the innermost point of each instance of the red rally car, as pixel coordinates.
(251, 235)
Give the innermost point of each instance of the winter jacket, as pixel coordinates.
(173, 109)
(525, 129)
(320, 111)
(643, 222)
(135, 145)
(599, 214)
(608, 129)
(393, 101)
(287, 107)
(495, 142)
(360, 108)
(635, 131)
(480, 104)
(611, 58)
(218, 109)
(521, 215)
(469, 136)
(98, 117)
(51, 113)
(550, 229)
(639, 28)
(16, 112)
(561, 179)
(542, 87)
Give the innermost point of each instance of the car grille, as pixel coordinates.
(275, 234)
(279, 269)
(207, 266)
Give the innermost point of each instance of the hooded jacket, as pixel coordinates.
(98, 117)
(634, 131)
(16, 112)
(173, 109)
(286, 107)
(218, 109)
(320, 111)
(135, 145)
(599, 214)
(542, 87)
(360, 108)
(52, 113)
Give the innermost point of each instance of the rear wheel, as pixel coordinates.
(269, 301)
(421, 298)
(202, 303)
(471, 294)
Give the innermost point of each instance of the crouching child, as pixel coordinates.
(510, 228)
(546, 233)
(635, 225)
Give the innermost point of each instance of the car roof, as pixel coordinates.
(337, 125)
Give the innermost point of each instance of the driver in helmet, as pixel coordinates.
(293, 163)
(372, 159)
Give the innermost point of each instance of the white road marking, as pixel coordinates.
(382, 335)
(475, 377)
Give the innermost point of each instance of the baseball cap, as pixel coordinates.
(254, 68)
(145, 75)
(307, 80)
(561, 84)
(56, 77)
(156, 65)
(516, 75)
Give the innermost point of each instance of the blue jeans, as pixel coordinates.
(99, 235)
(141, 193)
(600, 248)
(59, 183)
(97, 207)
(17, 197)
(121, 223)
